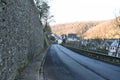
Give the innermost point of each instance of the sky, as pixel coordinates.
(66, 11)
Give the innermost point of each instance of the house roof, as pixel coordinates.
(72, 35)
(115, 43)
(109, 42)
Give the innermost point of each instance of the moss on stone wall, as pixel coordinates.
(20, 68)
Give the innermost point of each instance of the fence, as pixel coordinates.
(96, 55)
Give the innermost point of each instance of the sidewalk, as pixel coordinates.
(32, 71)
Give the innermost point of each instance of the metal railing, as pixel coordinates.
(96, 55)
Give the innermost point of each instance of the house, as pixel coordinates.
(84, 42)
(71, 37)
(107, 43)
(114, 49)
(58, 40)
(63, 36)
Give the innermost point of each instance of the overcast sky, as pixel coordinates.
(65, 11)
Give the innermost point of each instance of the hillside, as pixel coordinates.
(106, 29)
(76, 27)
(90, 29)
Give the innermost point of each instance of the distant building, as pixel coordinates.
(84, 42)
(113, 48)
(63, 36)
(58, 40)
(71, 37)
(108, 43)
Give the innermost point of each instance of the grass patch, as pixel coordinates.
(47, 43)
(21, 68)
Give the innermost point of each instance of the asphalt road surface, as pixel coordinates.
(64, 64)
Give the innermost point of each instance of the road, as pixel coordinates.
(64, 64)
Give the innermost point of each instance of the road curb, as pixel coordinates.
(41, 71)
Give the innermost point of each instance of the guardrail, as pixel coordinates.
(96, 55)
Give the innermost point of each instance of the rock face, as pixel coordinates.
(21, 35)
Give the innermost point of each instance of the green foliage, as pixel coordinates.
(22, 65)
(20, 68)
(47, 43)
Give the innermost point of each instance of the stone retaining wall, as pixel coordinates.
(21, 35)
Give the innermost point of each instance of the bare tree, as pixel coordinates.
(117, 23)
(44, 14)
(43, 8)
